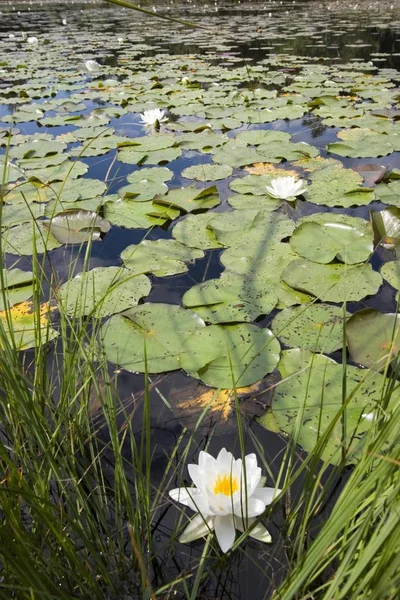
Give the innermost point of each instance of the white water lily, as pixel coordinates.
(286, 187)
(152, 117)
(228, 495)
(32, 40)
(92, 65)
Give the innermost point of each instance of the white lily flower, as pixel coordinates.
(228, 495)
(92, 65)
(152, 117)
(286, 187)
(32, 40)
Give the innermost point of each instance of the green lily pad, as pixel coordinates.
(386, 227)
(193, 231)
(137, 215)
(364, 143)
(77, 226)
(149, 150)
(190, 198)
(334, 282)
(226, 356)
(9, 171)
(18, 287)
(149, 337)
(333, 238)
(161, 257)
(306, 403)
(23, 239)
(373, 338)
(389, 193)
(315, 327)
(230, 298)
(145, 184)
(335, 186)
(37, 149)
(103, 291)
(391, 272)
(253, 202)
(27, 326)
(207, 172)
(65, 171)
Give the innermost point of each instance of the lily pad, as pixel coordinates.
(315, 327)
(194, 231)
(391, 272)
(24, 239)
(103, 291)
(18, 287)
(27, 326)
(364, 143)
(373, 338)
(160, 257)
(332, 238)
(205, 172)
(334, 282)
(306, 404)
(190, 198)
(145, 184)
(335, 186)
(149, 337)
(77, 226)
(226, 356)
(386, 227)
(230, 298)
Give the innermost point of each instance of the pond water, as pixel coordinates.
(288, 78)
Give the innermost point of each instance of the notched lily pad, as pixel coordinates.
(226, 356)
(315, 327)
(149, 337)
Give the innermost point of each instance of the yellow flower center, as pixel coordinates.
(226, 485)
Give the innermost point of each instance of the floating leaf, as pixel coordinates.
(18, 287)
(145, 184)
(335, 186)
(386, 226)
(27, 326)
(391, 272)
(334, 282)
(316, 327)
(337, 236)
(149, 337)
(193, 231)
(103, 291)
(137, 215)
(364, 143)
(77, 226)
(306, 403)
(190, 198)
(224, 356)
(230, 298)
(205, 172)
(373, 338)
(161, 257)
(24, 239)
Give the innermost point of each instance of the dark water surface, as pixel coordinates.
(237, 34)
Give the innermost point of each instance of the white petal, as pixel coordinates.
(198, 527)
(259, 532)
(206, 461)
(225, 531)
(252, 508)
(191, 497)
(198, 477)
(271, 191)
(225, 460)
(266, 495)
